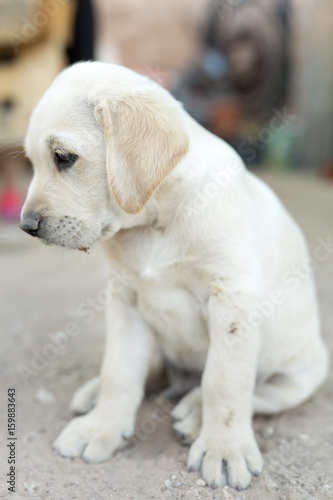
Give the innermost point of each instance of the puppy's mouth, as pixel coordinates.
(67, 232)
(68, 241)
(50, 242)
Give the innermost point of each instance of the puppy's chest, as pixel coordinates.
(170, 298)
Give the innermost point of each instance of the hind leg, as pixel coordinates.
(280, 393)
(85, 397)
(187, 416)
(294, 385)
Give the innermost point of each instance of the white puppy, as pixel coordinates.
(209, 263)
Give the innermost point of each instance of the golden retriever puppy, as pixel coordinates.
(211, 262)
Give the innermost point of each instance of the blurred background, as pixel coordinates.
(257, 73)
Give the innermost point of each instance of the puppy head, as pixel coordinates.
(101, 140)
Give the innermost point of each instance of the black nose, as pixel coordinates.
(30, 224)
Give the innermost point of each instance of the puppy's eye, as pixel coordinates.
(64, 160)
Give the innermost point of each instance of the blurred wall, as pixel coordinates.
(145, 33)
(311, 90)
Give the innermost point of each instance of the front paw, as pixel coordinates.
(94, 437)
(229, 458)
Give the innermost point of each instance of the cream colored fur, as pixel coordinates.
(207, 254)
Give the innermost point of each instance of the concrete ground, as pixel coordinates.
(40, 290)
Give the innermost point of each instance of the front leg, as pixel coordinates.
(129, 352)
(226, 450)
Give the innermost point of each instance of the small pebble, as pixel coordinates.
(304, 437)
(269, 431)
(271, 486)
(167, 483)
(32, 488)
(225, 492)
(201, 482)
(44, 396)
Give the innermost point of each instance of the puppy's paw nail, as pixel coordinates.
(127, 434)
(181, 436)
(174, 419)
(194, 467)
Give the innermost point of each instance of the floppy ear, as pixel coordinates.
(145, 140)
